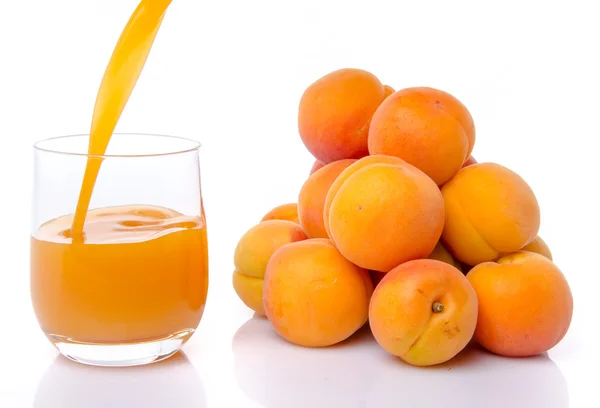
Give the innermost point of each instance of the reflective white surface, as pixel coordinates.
(358, 373)
(174, 382)
(241, 361)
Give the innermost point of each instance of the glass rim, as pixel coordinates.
(196, 145)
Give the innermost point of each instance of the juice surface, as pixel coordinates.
(141, 274)
(121, 75)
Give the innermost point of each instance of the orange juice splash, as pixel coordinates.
(120, 77)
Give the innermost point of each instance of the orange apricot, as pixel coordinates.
(313, 296)
(539, 246)
(423, 311)
(490, 210)
(249, 290)
(525, 304)
(441, 253)
(388, 90)
(426, 127)
(470, 160)
(287, 212)
(350, 170)
(384, 214)
(252, 254)
(316, 166)
(376, 277)
(311, 199)
(335, 112)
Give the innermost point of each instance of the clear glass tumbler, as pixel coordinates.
(133, 290)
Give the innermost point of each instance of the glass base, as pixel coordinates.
(121, 354)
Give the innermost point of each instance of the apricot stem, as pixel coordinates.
(437, 307)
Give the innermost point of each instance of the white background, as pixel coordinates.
(230, 73)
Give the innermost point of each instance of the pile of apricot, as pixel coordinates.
(399, 227)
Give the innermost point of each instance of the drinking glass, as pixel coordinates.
(133, 290)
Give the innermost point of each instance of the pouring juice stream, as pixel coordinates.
(120, 77)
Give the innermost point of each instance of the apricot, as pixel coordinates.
(252, 254)
(376, 277)
(249, 290)
(313, 296)
(423, 311)
(426, 127)
(287, 212)
(311, 199)
(470, 160)
(387, 91)
(490, 210)
(384, 214)
(335, 112)
(539, 246)
(525, 304)
(316, 166)
(441, 253)
(350, 170)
